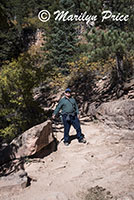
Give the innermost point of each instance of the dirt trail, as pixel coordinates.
(106, 160)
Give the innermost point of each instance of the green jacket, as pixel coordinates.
(66, 106)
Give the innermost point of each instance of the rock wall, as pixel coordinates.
(119, 113)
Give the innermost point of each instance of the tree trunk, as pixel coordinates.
(119, 67)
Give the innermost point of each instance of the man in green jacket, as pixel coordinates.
(70, 116)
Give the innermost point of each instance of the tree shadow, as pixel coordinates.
(8, 161)
(8, 153)
(12, 167)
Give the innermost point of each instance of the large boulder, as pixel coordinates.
(119, 113)
(28, 143)
(33, 140)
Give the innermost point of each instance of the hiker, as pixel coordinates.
(70, 116)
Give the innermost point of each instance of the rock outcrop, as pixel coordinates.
(14, 182)
(28, 143)
(119, 113)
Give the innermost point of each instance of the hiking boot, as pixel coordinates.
(83, 140)
(66, 143)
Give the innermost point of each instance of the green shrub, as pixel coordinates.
(18, 110)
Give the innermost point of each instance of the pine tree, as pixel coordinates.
(111, 38)
(61, 46)
(15, 27)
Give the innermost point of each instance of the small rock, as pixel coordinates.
(22, 173)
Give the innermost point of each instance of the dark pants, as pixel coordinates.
(67, 124)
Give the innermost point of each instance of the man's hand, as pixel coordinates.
(78, 115)
(53, 116)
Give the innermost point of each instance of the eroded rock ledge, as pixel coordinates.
(119, 113)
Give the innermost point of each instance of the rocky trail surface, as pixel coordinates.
(105, 161)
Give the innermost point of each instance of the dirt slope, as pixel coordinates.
(107, 160)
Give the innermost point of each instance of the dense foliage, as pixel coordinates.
(19, 111)
(19, 73)
(112, 38)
